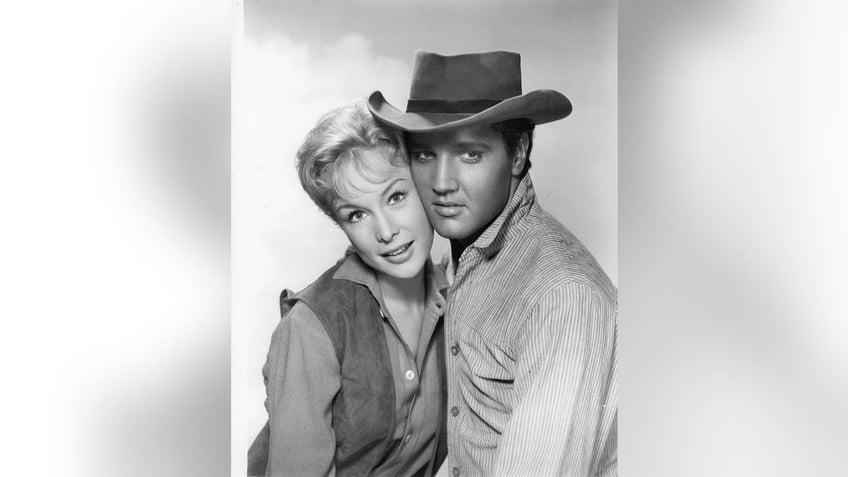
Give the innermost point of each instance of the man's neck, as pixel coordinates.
(459, 246)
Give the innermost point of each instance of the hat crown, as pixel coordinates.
(452, 92)
(490, 76)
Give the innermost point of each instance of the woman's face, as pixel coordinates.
(384, 219)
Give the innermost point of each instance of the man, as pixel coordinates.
(530, 316)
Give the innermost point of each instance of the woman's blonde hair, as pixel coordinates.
(336, 144)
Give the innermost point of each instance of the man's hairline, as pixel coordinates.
(407, 135)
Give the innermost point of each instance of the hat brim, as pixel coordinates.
(540, 106)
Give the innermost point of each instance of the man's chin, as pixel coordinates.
(451, 228)
(451, 233)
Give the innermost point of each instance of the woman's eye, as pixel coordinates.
(355, 216)
(397, 197)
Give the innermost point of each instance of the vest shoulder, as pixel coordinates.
(325, 284)
(345, 309)
(336, 302)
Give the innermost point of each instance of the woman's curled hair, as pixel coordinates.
(335, 145)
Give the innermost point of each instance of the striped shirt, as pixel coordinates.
(531, 351)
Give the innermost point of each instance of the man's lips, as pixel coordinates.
(446, 208)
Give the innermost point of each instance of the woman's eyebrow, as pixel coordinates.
(391, 184)
(340, 204)
(340, 208)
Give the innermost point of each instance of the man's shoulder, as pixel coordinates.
(555, 257)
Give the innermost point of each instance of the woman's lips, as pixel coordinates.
(399, 254)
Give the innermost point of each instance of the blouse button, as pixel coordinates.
(455, 349)
(410, 375)
(454, 411)
(456, 471)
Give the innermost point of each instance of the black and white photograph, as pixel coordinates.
(408, 238)
(424, 239)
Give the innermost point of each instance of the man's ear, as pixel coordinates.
(519, 157)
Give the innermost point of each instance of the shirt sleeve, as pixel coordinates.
(566, 371)
(302, 377)
(608, 466)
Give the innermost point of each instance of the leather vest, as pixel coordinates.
(364, 409)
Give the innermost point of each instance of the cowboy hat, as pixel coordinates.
(450, 92)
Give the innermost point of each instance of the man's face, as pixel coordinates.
(464, 178)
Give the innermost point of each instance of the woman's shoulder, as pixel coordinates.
(300, 325)
(299, 329)
(298, 318)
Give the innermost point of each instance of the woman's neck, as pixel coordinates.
(411, 291)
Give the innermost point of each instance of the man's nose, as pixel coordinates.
(386, 229)
(444, 182)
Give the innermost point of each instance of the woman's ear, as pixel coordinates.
(519, 157)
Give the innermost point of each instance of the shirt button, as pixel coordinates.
(455, 349)
(407, 438)
(410, 375)
(455, 471)
(454, 411)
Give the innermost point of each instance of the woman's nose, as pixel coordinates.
(386, 229)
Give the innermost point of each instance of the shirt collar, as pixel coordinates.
(355, 270)
(493, 238)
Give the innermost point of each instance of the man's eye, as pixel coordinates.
(422, 156)
(397, 197)
(471, 156)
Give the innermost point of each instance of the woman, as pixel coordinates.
(354, 376)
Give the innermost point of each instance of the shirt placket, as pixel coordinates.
(467, 260)
(410, 388)
(411, 369)
(412, 385)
